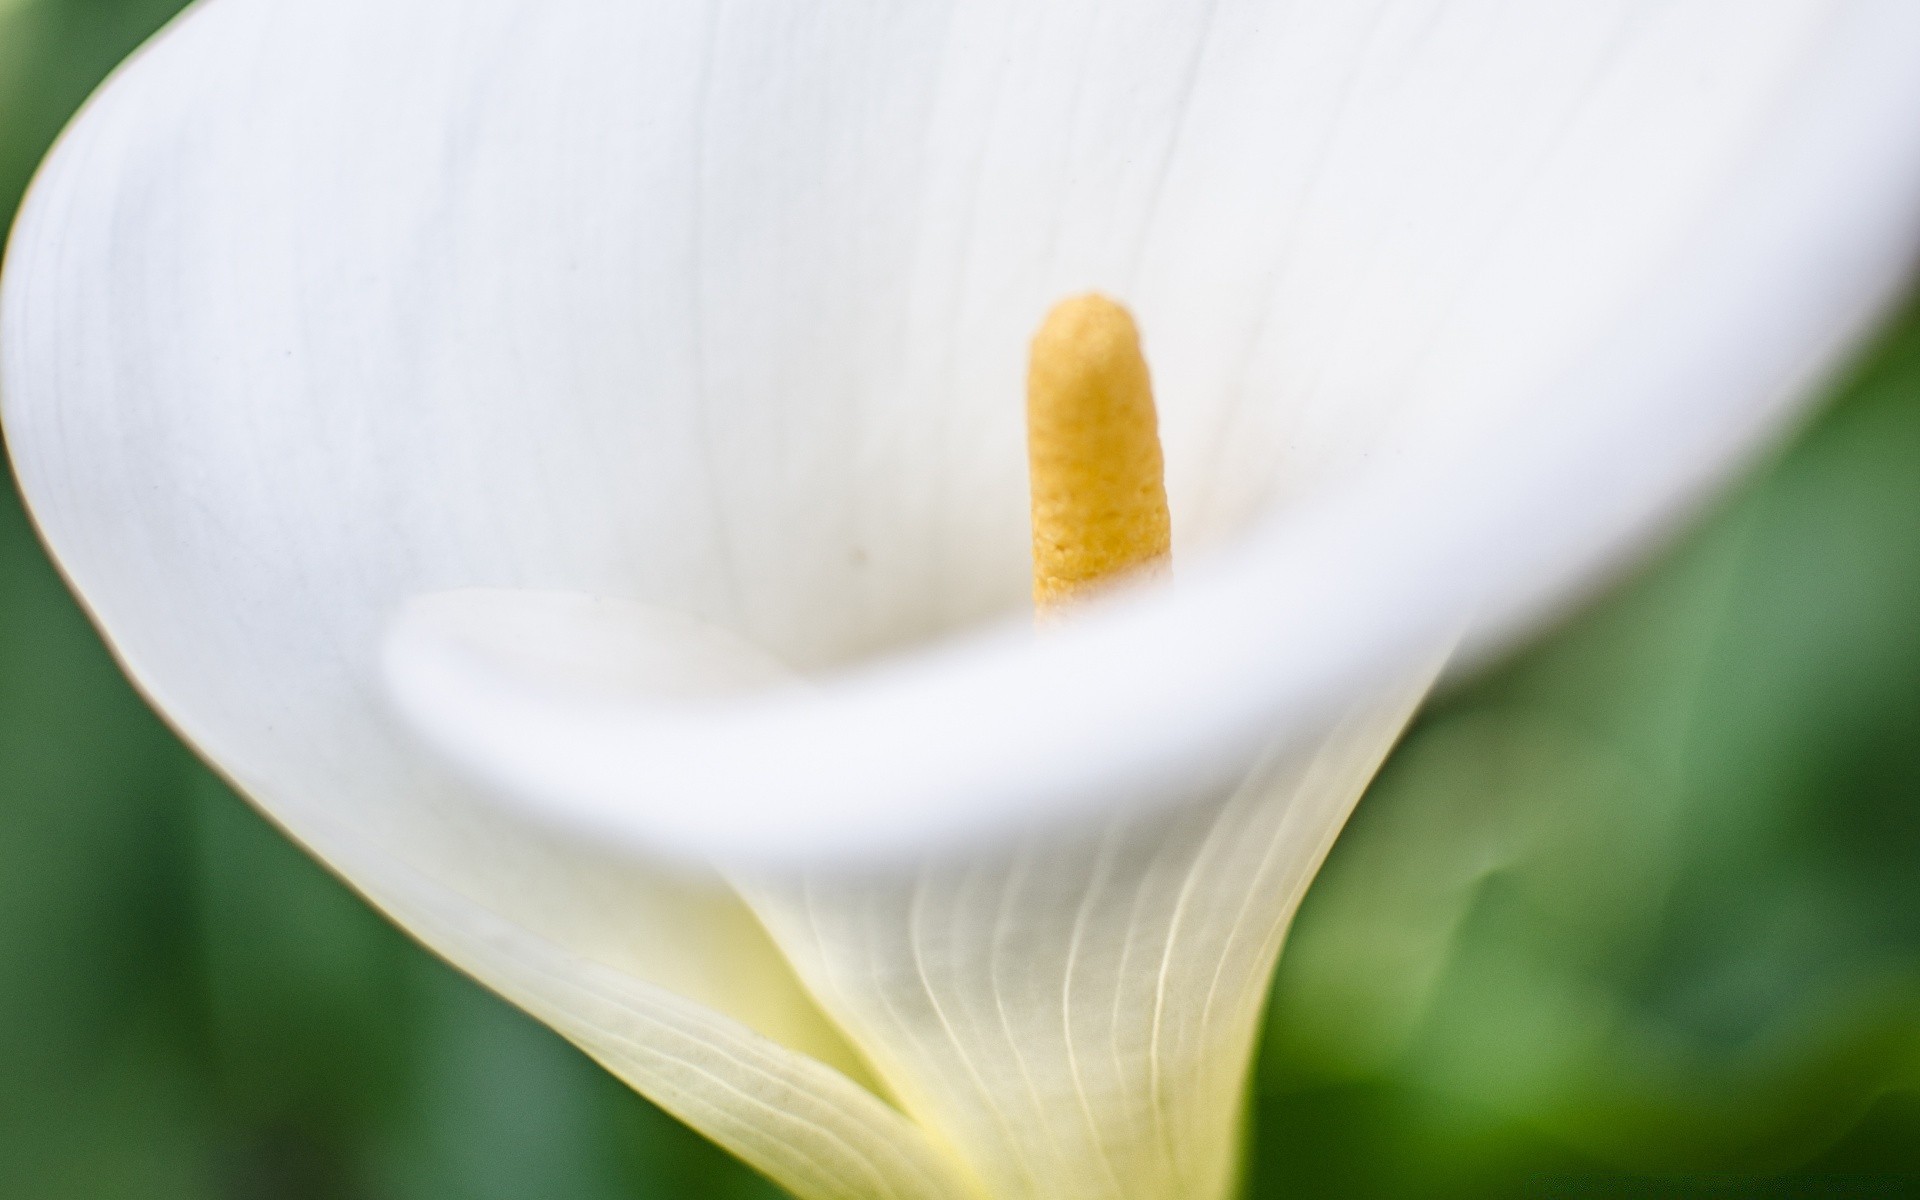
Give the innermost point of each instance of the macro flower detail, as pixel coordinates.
(562, 460)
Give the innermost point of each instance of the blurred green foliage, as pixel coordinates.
(1643, 903)
(1636, 915)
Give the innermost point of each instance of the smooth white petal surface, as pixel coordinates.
(342, 302)
(1447, 305)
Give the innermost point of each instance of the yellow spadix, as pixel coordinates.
(1093, 444)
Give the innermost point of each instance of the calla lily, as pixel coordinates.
(561, 460)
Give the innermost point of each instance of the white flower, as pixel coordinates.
(645, 379)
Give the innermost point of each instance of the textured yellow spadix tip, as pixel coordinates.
(1093, 448)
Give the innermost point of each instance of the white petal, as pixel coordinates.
(326, 304)
(1464, 300)
(207, 463)
(803, 1124)
(338, 302)
(1076, 1015)
(329, 303)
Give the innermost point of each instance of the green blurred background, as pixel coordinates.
(1637, 915)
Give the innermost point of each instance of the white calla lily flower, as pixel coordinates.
(562, 460)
